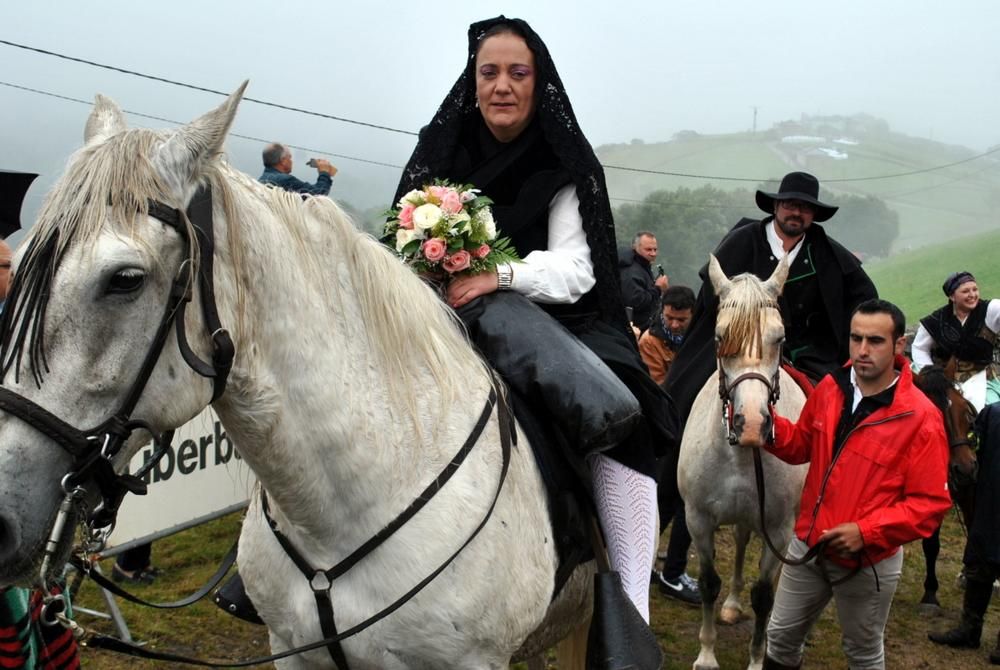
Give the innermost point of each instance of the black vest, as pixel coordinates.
(969, 342)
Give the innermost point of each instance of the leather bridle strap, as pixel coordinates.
(93, 450)
(227, 562)
(321, 581)
(506, 432)
(815, 551)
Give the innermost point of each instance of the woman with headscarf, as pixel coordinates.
(966, 329)
(507, 127)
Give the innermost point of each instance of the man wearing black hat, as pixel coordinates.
(825, 283)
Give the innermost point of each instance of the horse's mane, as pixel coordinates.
(109, 179)
(743, 302)
(935, 384)
(410, 328)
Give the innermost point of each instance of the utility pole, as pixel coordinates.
(754, 130)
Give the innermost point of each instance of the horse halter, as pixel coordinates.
(93, 450)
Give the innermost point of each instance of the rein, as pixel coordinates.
(773, 386)
(321, 581)
(94, 450)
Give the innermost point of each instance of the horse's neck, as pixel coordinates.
(309, 405)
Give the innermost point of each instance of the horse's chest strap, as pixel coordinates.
(321, 581)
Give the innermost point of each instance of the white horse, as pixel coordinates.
(352, 387)
(716, 474)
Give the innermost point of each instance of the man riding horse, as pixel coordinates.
(825, 283)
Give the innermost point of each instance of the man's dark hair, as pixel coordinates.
(678, 297)
(879, 306)
(641, 234)
(272, 154)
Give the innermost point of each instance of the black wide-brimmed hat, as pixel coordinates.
(797, 186)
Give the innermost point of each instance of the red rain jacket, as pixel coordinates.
(890, 477)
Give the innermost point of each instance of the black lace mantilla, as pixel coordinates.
(436, 148)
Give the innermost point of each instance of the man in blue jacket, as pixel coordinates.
(278, 171)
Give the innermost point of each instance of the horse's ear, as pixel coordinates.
(720, 282)
(776, 281)
(105, 120)
(181, 158)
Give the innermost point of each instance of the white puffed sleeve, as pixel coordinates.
(921, 349)
(564, 272)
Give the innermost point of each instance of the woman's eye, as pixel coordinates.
(126, 281)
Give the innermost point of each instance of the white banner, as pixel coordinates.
(200, 475)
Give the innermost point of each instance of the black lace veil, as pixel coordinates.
(436, 148)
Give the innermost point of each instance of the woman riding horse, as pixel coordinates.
(508, 128)
(966, 329)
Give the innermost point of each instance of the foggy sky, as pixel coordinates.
(632, 69)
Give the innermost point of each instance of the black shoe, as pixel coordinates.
(683, 588)
(134, 576)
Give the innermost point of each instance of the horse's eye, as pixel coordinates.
(126, 281)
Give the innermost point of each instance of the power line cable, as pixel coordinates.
(194, 87)
(825, 181)
(409, 132)
(180, 123)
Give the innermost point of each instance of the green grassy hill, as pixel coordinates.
(913, 280)
(962, 200)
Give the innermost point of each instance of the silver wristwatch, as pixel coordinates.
(505, 276)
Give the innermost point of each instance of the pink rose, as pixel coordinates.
(451, 202)
(434, 249)
(482, 252)
(437, 192)
(458, 261)
(406, 216)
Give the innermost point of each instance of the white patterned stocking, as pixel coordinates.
(626, 506)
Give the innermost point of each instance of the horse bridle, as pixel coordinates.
(726, 395)
(94, 450)
(773, 386)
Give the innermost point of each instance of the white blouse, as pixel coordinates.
(562, 273)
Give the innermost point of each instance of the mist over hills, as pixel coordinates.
(948, 192)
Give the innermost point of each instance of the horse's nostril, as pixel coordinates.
(739, 421)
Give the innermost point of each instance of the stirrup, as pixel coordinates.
(232, 598)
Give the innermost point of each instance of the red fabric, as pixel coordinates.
(804, 381)
(890, 476)
(57, 649)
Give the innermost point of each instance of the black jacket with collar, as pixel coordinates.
(842, 282)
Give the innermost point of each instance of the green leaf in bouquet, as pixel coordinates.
(455, 243)
(411, 247)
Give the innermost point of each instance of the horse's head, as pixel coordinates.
(91, 360)
(749, 333)
(938, 384)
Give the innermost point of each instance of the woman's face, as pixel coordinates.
(505, 85)
(966, 296)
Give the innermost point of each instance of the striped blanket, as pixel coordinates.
(25, 642)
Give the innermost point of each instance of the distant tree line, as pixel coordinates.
(689, 224)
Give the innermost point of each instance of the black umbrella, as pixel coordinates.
(13, 186)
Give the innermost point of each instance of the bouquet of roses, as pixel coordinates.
(447, 228)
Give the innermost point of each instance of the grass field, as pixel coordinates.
(913, 280)
(190, 557)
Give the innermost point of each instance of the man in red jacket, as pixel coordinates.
(877, 479)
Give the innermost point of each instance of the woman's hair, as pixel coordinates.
(501, 29)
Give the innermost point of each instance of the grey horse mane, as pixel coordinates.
(743, 301)
(110, 179)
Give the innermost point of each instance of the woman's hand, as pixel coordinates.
(466, 288)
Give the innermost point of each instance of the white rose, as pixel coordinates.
(426, 216)
(414, 197)
(484, 218)
(403, 237)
